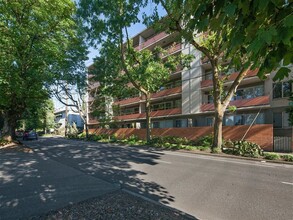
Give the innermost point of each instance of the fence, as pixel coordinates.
(282, 144)
(260, 134)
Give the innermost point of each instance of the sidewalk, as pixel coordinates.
(31, 184)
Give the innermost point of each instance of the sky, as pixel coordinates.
(133, 30)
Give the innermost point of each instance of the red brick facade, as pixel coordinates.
(260, 134)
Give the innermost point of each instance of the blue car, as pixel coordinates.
(30, 135)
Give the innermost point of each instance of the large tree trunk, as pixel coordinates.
(218, 126)
(148, 117)
(8, 132)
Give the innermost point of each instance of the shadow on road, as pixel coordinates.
(108, 162)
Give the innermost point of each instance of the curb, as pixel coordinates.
(238, 157)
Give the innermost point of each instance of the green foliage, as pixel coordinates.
(242, 148)
(119, 63)
(168, 141)
(37, 39)
(205, 141)
(39, 116)
(287, 157)
(271, 156)
(82, 135)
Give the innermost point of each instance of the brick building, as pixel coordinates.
(186, 100)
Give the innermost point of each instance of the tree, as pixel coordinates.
(145, 70)
(34, 37)
(73, 96)
(39, 116)
(245, 34)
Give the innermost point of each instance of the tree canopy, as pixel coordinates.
(36, 39)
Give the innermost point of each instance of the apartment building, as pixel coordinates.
(186, 100)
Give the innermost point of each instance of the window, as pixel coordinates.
(249, 92)
(168, 105)
(156, 124)
(210, 98)
(177, 123)
(208, 75)
(245, 119)
(210, 121)
(177, 103)
(282, 89)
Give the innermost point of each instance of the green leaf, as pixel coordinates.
(288, 58)
(288, 21)
(230, 9)
(282, 73)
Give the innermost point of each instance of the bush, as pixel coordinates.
(205, 141)
(271, 156)
(242, 148)
(168, 141)
(133, 138)
(287, 157)
(81, 135)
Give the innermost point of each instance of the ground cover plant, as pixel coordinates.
(237, 148)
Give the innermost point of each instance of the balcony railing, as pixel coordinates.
(231, 77)
(127, 101)
(167, 92)
(152, 40)
(163, 93)
(242, 103)
(154, 114)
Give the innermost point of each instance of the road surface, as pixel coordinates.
(203, 186)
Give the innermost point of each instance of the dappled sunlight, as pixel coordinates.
(109, 162)
(5, 177)
(27, 179)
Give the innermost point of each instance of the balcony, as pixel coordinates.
(242, 103)
(231, 78)
(152, 40)
(167, 92)
(172, 49)
(160, 94)
(128, 101)
(154, 114)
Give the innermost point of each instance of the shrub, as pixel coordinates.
(168, 141)
(287, 157)
(271, 156)
(95, 137)
(133, 138)
(81, 135)
(242, 148)
(113, 138)
(203, 148)
(205, 141)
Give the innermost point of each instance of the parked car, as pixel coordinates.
(30, 135)
(19, 133)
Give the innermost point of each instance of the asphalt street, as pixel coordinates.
(203, 186)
